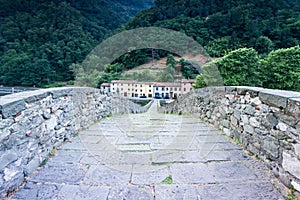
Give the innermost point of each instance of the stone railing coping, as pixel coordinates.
(11, 105)
(272, 97)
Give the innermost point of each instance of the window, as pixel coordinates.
(184, 89)
(149, 90)
(141, 90)
(175, 89)
(156, 88)
(162, 89)
(167, 89)
(141, 86)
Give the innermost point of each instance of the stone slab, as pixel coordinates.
(130, 192)
(65, 173)
(231, 172)
(255, 190)
(147, 175)
(83, 192)
(175, 192)
(101, 174)
(192, 174)
(37, 192)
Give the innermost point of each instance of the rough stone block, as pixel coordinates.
(271, 146)
(234, 121)
(249, 129)
(291, 164)
(7, 158)
(254, 122)
(293, 107)
(12, 108)
(249, 110)
(296, 185)
(297, 149)
(226, 123)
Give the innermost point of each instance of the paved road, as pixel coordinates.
(150, 156)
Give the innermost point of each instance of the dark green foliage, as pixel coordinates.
(240, 67)
(189, 71)
(229, 24)
(199, 82)
(264, 45)
(243, 67)
(133, 59)
(282, 69)
(39, 40)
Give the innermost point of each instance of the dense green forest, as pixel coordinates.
(224, 25)
(258, 40)
(39, 40)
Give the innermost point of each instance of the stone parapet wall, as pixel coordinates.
(266, 122)
(33, 123)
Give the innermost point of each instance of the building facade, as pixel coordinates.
(165, 90)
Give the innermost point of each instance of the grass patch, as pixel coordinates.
(291, 195)
(168, 180)
(237, 141)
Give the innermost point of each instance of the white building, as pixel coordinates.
(105, 87)
(132, 88)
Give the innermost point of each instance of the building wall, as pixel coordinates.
(148, 89)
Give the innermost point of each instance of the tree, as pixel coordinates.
(240, 67)
(171, 61)
(282, 69)
(264, 45)
(218, 47)
(199, 82)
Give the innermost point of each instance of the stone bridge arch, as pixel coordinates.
(266, 122)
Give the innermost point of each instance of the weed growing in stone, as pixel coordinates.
(168, 180)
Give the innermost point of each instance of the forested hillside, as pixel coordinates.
(39, 40)
(222, 26)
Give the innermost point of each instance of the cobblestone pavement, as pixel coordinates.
(150, 156)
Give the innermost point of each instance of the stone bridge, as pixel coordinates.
(214, 143)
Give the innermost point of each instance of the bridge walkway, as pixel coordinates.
(150, 156)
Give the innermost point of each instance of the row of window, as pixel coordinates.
(163, 89)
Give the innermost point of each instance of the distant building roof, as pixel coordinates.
(105, 84)
(158, 84)
(166, 84)
(124, 81)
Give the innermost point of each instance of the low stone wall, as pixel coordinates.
(32, 124)
(266, 122)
